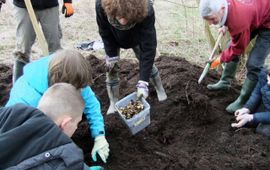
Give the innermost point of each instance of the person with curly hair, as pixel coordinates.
(129, 24)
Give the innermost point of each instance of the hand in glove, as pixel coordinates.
(101, 147)
(242, 120)
(215, 63)
(142, 89)
(241, 111)
(111, 61)
(67, 9)
(2, 2)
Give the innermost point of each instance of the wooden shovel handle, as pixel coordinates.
(41, 39)
(211, 58)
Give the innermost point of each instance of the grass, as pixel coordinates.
(179, 30)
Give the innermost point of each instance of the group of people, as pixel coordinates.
(50, 95)
(245, 20)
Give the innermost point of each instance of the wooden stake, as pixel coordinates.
(41, 39)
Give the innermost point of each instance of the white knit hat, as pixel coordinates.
(209, 7)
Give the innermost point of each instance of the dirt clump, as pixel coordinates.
(5, 82)
(190, 130)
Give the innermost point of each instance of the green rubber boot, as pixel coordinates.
(226, 78)
(245, 93)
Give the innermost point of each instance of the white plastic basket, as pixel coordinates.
(139, 121)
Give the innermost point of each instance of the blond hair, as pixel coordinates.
(69, 66)
(132, 10)
(60, 99)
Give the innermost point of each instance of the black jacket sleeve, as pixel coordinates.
(105, 32)
(148, 45)
(67, 1)
(20, 125)
(38, 4)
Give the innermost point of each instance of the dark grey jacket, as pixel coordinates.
(39, 4)
(31, 140)
(260, 95)
(142, 34)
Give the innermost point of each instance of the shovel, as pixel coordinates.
(211, 59)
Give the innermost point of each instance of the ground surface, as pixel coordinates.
(190, 130)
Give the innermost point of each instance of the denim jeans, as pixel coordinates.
(258, 54)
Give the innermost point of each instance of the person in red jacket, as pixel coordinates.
(244, 19)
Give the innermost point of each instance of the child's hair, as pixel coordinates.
(71, 67)
(132, 10)
(61, 98)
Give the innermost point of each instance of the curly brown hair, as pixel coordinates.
(132, 10)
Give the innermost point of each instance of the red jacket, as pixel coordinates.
(244, 17)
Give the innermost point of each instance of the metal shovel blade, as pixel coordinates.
(205, 71)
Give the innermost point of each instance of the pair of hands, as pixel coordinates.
(142, 86)
(243, 116)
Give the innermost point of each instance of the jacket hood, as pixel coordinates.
(26, 132)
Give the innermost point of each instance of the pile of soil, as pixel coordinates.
(190, 130)
(5, 82)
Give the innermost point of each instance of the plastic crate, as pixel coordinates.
(139, 121)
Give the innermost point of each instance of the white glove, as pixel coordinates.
(101, 147)
(110, 61)
(241, 111)
(142, 89)
(242, 120)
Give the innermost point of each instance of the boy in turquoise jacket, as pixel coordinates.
(67, 66)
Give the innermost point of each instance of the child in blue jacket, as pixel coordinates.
(67, 66)
(259, 100)
(47, 145)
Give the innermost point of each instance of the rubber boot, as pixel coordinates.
(113, 93)
(226, 78)
(156, 81)
(245, 93)
(17, 70)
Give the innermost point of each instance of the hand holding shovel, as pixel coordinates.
(212, 62)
